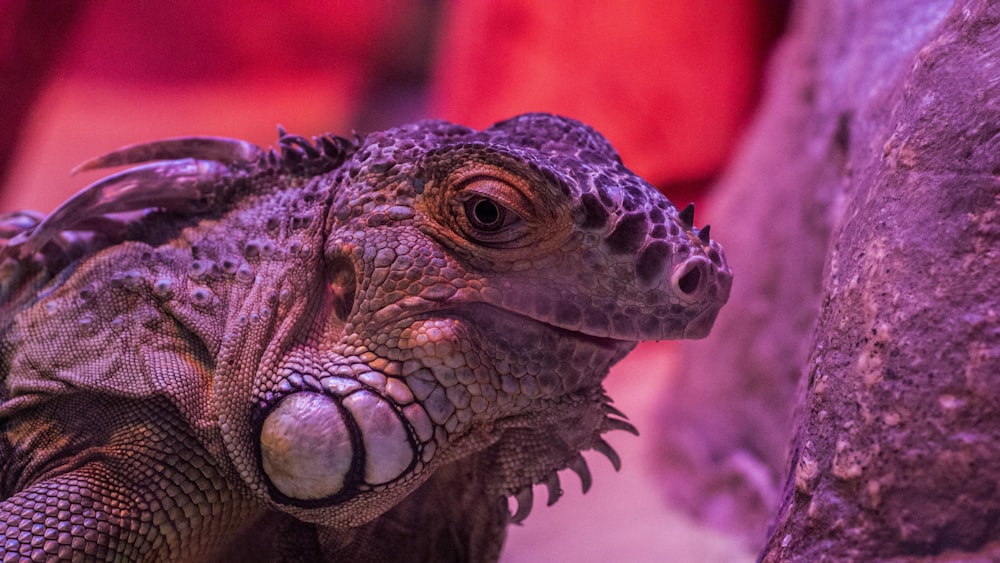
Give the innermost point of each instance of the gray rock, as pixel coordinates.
(868, 248)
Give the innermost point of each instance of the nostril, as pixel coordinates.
(689, 279)
(690, 282)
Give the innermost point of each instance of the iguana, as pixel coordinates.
(340, 349)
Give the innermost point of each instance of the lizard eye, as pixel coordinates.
(491, 212)
(496, 211)
(485, 214)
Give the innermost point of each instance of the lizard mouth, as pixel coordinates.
(482, 313)
(594, 340)
(503, 323)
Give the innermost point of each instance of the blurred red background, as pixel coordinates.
(670, 83)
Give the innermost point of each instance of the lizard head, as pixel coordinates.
(477, 286)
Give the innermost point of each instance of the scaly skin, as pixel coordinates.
(350, 350)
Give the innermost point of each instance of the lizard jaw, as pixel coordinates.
(317, 447)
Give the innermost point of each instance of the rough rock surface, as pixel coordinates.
(868, 197)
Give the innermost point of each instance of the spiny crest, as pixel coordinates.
(183, 175)
(299, 155)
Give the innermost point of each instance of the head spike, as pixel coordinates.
(291, 154)
(610, 409)
(704, 235)
(579, 466)
(616, 424)
(218, 149)
(554, 487)
(333, 147)
(171, 185)
(605, 448)
(15, 222)
(281, 131)
(525, 499)
(687, 215)
(303, 145)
